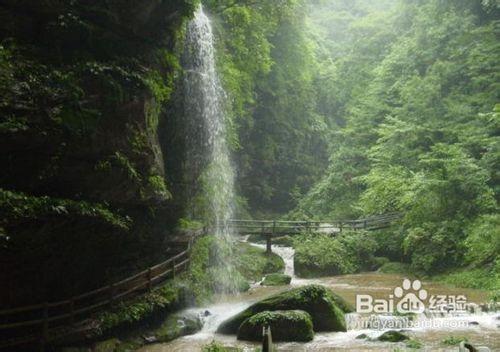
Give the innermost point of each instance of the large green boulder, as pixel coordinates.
(286, 325)
(276, 279)
(326, 309)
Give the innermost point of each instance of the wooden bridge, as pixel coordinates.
(48, 321)
(278, 228)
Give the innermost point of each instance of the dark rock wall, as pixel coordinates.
(85, 194)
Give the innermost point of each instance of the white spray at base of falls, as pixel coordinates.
(207, 152)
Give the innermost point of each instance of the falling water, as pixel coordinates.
(208, 153)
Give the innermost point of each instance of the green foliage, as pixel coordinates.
(214, 269)
(252, 262)
(417, 127)
(16, 207)
(128, 312)
(267, 63)
(323, 255)
(483, 240)
(215, 346)
(188, 224)
(487, 278)
(453, 340)
(276, 280)
(157, 183)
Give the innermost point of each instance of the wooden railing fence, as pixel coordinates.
(34, 322)
(290, 227)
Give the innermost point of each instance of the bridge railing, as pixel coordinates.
(34, 322)
(281, 227)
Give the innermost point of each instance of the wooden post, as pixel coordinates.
(269, 249)
(267, 339)
(150, 276)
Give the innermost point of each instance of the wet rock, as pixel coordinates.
(473, 323)
(177, 325)
(468, 347)
(276, 280)
(362, 336)
(150, 339)
(326, 308)
(290, 325)
(207, 313)
(392, 336)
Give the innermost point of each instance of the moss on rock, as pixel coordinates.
(276, 279)
(392, 336)
(289, 325)
(178, 325)
(323, 306)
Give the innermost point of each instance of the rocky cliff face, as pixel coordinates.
(83, 189)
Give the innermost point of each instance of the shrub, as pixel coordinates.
(323, 255)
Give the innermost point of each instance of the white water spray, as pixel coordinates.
(208, 153)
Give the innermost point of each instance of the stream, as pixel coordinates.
(480, 328)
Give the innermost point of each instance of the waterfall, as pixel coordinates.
(207, 150)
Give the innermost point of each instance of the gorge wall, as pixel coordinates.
(83, 188)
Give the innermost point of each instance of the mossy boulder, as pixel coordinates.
(276, 279)
(286, 325)
(392, 336)
(326, 309)
(177, 325)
